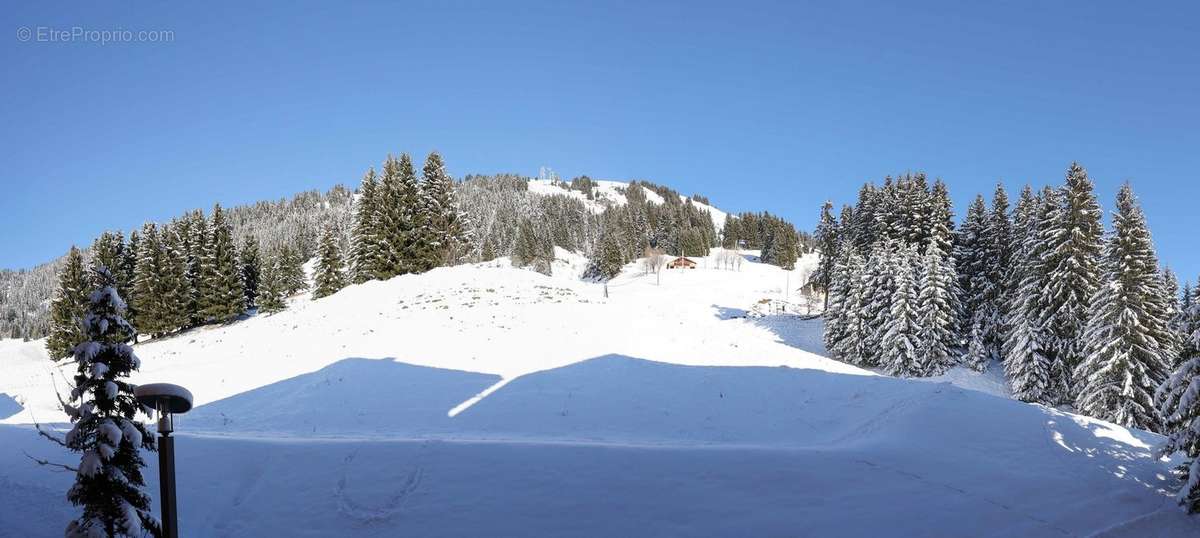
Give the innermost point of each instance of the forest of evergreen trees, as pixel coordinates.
(211, 268)
(1075, 316)
(199, 269)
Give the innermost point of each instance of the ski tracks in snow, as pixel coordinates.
(392, 507)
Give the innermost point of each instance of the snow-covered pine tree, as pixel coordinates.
(887, 211)
(1074, 236)
(835, 315)
(272, 293)
(827, 243)
(147, 289)
(366, 248)
(291, 271)
(977, 355)
(108, 250)
(329, 277)
(1027, 360)
(881, 274)
(68, 307)
(251, 268)
(851, 346)
(846, 229)
(970, 253)
(609, 260)
(173, 286)
(1024, 219)
(399, 227)
(1187, 324)
(1128, 346)
(224, 297)
(445, 221)
(937, 307)
(992, 291)
(941, 219)
(898, 354)
(1178, 402)
(1170, 298)
(108, 482)
(196, 232)
(917, 210)
(127, 273)
(865, 230)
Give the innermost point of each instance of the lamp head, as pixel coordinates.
(167, 400)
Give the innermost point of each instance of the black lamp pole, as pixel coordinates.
(166, 474)
(167, 400)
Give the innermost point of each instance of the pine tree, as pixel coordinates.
(329, 277)
(1073, 275)
(446, 231)
(68, 307)
(879, 288)
(827, 243)
(1127, 343)
(845, 226)
(401, 240)
(898, 346)
(126, 276)
(223, 297)
(1024, 221)
(970, 252)
(1170, 298)
(109, 484)
(991, 286)
(173, 287)
(147, 291)
(531, 249)
(853, 327)
(835, 315)
(196, 232)
(941, 220)
(937, 307)
(609, 260)
(1027, 359)
(1178, 402)
(865, 233)
(251, 269)
(108, 251)
(1187, 324)
(366, 250)
(272, 296)
(977, 356)
(291, 272)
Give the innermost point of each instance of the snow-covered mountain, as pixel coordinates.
(606, 193)
(487, 400)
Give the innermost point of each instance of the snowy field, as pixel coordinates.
(486, 400)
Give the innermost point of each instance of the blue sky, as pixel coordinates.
(773, 106)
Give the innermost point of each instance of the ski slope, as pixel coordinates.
(487, 400)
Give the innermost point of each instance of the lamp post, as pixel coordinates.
(167, 400)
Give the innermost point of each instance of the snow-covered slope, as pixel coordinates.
(486, 400)
(606, 193)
